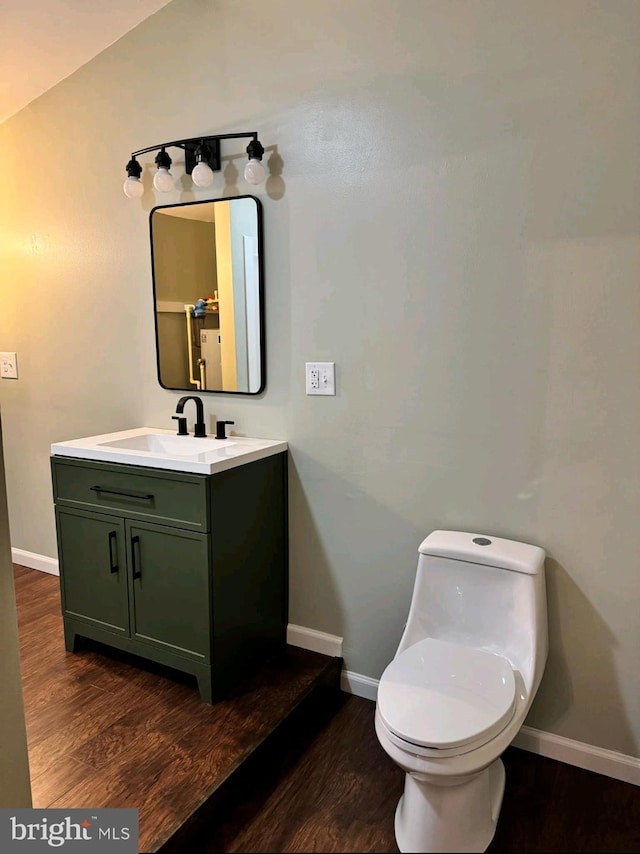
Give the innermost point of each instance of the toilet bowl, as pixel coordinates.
(463, 678)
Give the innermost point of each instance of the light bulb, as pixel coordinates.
(254, 172)
(163, 180)
(202, 175)
(133, 187)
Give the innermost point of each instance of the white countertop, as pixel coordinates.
(163, 449)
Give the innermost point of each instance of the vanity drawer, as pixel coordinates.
(171, 498)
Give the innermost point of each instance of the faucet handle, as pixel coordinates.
(182, 425)
(221, 429)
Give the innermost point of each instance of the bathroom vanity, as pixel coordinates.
(175, 552)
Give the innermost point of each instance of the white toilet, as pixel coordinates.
(466, 671)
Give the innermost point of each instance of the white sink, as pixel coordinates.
(149, 446)
(181, 446)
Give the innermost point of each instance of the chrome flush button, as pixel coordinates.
(481, 541)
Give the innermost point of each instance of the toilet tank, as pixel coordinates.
(481, 591)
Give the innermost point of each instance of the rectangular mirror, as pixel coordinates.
(206, 260)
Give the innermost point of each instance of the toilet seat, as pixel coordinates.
(442, 695)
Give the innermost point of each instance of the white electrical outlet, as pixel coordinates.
(321, 377)
(9, 366)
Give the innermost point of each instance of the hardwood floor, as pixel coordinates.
(105, 732)
(340, 794)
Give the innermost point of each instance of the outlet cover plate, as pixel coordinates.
(9, 366)
(320, 377)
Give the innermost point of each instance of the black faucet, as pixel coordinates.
(182, 425)
(221, 430)
(200, 428)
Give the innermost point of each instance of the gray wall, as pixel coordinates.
(452, 217)
(15, 789)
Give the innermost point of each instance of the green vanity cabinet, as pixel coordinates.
(170, 589)
(187, 570)
(94, 585)
(139, 580)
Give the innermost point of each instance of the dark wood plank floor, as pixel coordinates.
(338, 793)
(105, 730)
(323, 784)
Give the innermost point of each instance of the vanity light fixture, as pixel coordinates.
(254, 170)
(163, 179)
(133, 185)
(201, 160)
(202, 175)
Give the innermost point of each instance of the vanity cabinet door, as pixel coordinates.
(93, 573)
(169, 589)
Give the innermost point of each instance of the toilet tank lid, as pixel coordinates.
(485, 549)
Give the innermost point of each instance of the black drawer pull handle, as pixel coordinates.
(143, 496)
(135, 546)
(113, 563)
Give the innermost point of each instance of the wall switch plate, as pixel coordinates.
(9, 366)
(321, 377)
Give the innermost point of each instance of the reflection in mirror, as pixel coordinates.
(207, 283)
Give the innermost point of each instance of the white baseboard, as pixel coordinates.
(35, 561)
(607, 762)
(314, 640)
(610, 763)
(361, 686)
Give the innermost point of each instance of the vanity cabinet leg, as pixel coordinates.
(70, 639)
(205, 685)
